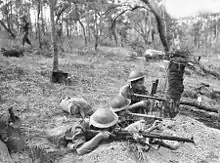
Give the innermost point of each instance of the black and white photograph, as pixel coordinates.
(109, 81)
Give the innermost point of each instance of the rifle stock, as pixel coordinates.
(147, 116)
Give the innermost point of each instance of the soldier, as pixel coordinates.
(25, 30)
(88, 133)
(80, 138)
(136, 85)
(76, 106)
(120, 106)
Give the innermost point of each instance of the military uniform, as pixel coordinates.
(25, 29)
(119, 105)
(128, 91)
(86, 135)
(81, 133)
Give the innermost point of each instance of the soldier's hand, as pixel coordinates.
(144, 103)
(105, 134)
(137, 137)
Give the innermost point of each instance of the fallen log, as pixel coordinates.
(199, 106)
(203, 89)
(207, 71)
(195, 65)
(183, 101)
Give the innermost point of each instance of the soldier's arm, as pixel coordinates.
(137, 105)
(90, 145)
(123, 91)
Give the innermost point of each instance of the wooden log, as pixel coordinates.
(199, 106)
(183, 101)
(195, 65)
(4, 154)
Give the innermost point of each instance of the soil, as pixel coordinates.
(25, 85)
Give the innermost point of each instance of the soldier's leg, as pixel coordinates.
(23, 39)
(28, 41)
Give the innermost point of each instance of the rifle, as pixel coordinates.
(155, 136)
(147, 116)
(150, 97)
(120, 134)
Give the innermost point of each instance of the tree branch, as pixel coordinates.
(160, 26)
(7, 29)
(59, 13)
(131, 9)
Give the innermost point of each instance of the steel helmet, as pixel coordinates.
(135, 75)
(119, 103)
(103, 118)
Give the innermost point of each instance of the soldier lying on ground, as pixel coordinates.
(86, 135)
(76, 106)
(120, 106)
(136, 85)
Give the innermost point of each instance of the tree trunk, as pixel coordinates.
(175, 71)
(38, 24)
(160, 26)
(84, 31)
(7, 29)
(96, 32)
(67, 28)
(81, 24)
(53, 37)
(42, 20)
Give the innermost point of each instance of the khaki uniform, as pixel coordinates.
(25, 38)
(79, 134)
(127, 92)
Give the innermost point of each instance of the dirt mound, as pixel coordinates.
(205, 149)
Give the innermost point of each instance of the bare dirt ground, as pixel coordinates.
(25, 85)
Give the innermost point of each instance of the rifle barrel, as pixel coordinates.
(146, 116)
(150, 97)
(165, 137)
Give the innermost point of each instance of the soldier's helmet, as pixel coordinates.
(119, 103)
(103, 118)
(135, 75)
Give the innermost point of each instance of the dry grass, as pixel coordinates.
(25, 86)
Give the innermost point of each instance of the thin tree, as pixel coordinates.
(53, 37)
